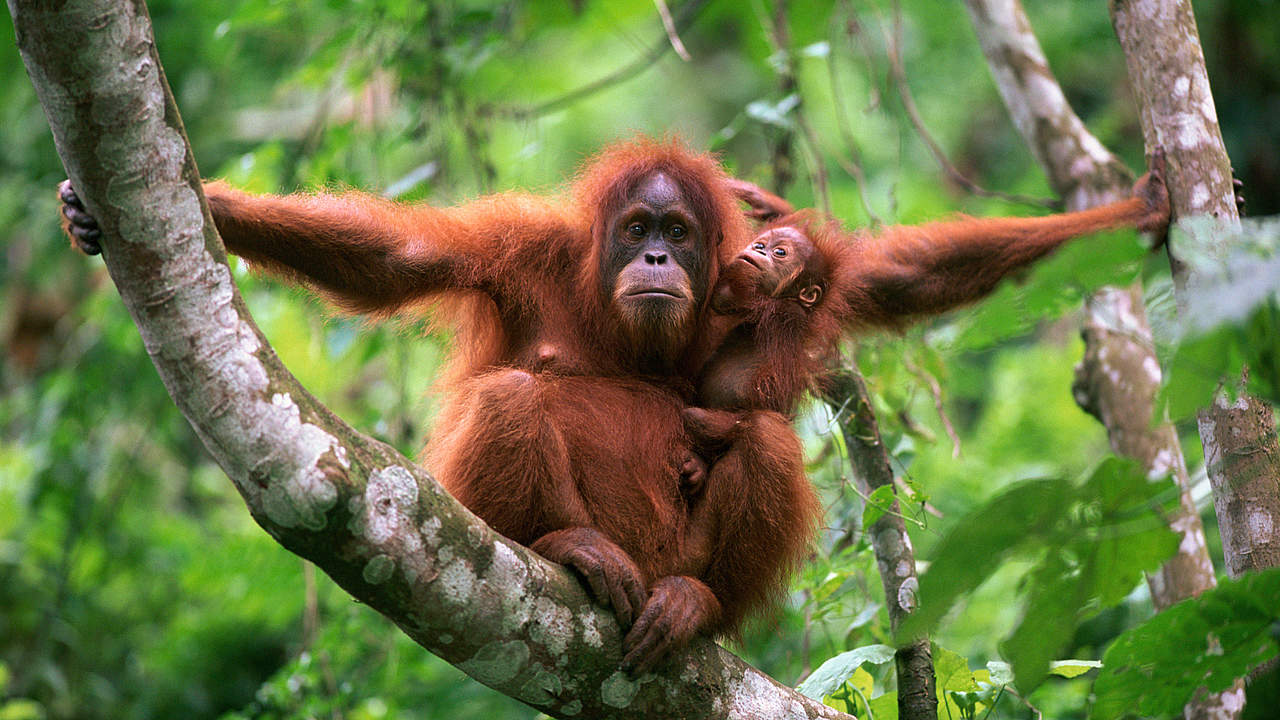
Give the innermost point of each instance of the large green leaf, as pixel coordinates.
(1209, 641)
(1091, 545)
(834, 672)
(975, 547)
(1229, 317)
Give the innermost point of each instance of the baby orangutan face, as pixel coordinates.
(786, 265)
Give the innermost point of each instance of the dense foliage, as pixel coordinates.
(133, 583)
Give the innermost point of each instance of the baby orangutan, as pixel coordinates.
(780, 306)
(775, 318)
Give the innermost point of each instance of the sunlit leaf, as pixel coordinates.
(1073, 668)
(837, 670)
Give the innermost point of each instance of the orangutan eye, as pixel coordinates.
(677, 232)
(636, 230)
(757, 246)
(780, 252)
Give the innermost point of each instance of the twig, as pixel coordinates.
(853, 164)
(936, 390)
(778, 33)
(899, 75)
(886, 508)
(819, 168)
(1033, 708)
(858, 39)
(683, 20)
(906, 491)
(311, 606)
(669, 25)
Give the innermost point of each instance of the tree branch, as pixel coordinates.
(381, 527)
(1119, 376)
(893, 44)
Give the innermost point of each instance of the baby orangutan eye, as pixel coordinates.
(677, 232)
(780, 252)
(636, 230)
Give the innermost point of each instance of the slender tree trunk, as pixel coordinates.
(380, 526)
(895, 558)
(1119, 376)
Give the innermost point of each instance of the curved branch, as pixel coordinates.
(681, 22)
(1167, 72)
(375, 522)
(1118, 378)
(898, 73)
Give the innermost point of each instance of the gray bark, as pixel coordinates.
(895, 557)
(374, 521)
(1166, 69)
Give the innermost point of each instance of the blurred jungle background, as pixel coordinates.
(133, 583)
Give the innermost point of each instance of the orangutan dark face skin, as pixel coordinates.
(659, 262)
(785, 261)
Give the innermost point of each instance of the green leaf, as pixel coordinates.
(954, 683)
(1115, 538)
(1055, 596)
(951, 670)
(1128, 538)
(1093, 544)
(1073, 668)
(885, 707)
(862, 681)
(878, 503)
(1209, 641)
(21, 709)
(837, 670)
(1230, 317)
(974, 548)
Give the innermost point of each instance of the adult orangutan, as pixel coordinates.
(577, 319)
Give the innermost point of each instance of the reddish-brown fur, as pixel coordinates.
(783, 345)
(562, 424)
(889, 278)
(557, 418)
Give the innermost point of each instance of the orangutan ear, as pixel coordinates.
(810, 295)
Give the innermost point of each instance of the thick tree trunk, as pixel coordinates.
(379, 525)
(1166, 68)
(895, 558)
(1119, 376)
